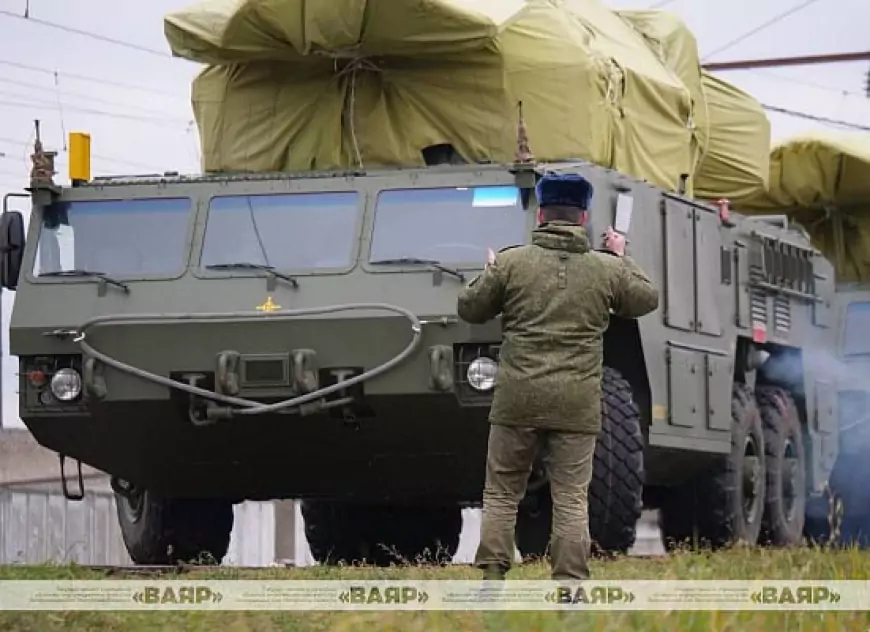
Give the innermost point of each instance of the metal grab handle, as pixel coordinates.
(249, 407)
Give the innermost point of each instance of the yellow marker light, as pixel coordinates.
(79, 157)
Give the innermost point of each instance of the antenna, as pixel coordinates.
(42, 171)
(524, 153)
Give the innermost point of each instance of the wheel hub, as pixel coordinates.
(790, 473)
(753, 479)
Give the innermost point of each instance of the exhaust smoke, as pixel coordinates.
(850, 378)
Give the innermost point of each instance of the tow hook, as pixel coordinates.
(348, 416)
(198, 408)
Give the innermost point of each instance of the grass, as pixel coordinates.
(804, 563)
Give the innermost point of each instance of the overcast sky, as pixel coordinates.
(150, 129)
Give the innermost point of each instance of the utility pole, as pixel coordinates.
(805, 60)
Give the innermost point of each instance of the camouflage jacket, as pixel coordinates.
(555, 297)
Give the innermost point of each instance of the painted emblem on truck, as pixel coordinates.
(268, 306)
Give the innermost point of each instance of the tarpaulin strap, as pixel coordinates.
(615, 83)
(355, 62)
(838, 233)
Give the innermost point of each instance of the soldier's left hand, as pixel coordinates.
(614, 242)
(490, 257)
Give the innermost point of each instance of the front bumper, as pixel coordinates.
(424, 448)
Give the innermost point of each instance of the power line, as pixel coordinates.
(48, 105)
(804, 82)
(88, 78)
(792, 60)
(761, 27)
(89, 34)
(8, 172)
(81, 95)
(106, 158)
(659, 5)
(156, 114)
(817, 119)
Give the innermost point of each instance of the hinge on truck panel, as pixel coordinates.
(726, 265)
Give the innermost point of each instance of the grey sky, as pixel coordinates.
(150, 129)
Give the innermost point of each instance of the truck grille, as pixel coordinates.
(782, 314)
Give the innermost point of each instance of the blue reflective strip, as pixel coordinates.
(489, 197)
(474, 197)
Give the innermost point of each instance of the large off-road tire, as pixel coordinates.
(345, 533)
(845, 505)
(785, 496)
(724, 505)
(616, 488)
(168, 531)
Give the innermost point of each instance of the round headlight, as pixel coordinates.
(66, 384)
(482, 374)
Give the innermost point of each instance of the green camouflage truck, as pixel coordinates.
(216, 338)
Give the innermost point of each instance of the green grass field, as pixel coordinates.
(815, 564)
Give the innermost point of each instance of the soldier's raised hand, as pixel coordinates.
(614, 242)
(490, 256)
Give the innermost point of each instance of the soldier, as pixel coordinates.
(555, 296)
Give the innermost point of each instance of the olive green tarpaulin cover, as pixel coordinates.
(731, 130)
(822, 181)
(305, 84)
(736, 161)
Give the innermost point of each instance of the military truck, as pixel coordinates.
(215, 338)
(842, 514)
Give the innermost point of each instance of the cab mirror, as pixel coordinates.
(11, 248)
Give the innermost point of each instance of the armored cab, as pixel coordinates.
(211, 339)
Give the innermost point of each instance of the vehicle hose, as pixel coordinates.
(249, 407)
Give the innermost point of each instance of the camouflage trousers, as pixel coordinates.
(510, 456)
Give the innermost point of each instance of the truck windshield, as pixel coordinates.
(131, 238)
(450, 224)
(287, 232)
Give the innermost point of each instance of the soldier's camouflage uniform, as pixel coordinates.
(555, 297)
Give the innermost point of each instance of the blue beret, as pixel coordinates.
(564, 189)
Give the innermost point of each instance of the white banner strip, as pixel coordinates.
(352, 595)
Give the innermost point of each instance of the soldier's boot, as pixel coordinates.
(570, 559)
(493, 572)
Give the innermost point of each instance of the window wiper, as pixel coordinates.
(86, 273)
(244, 265)
(414, 260)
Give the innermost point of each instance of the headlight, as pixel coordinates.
(66, 384)
(482, 373)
